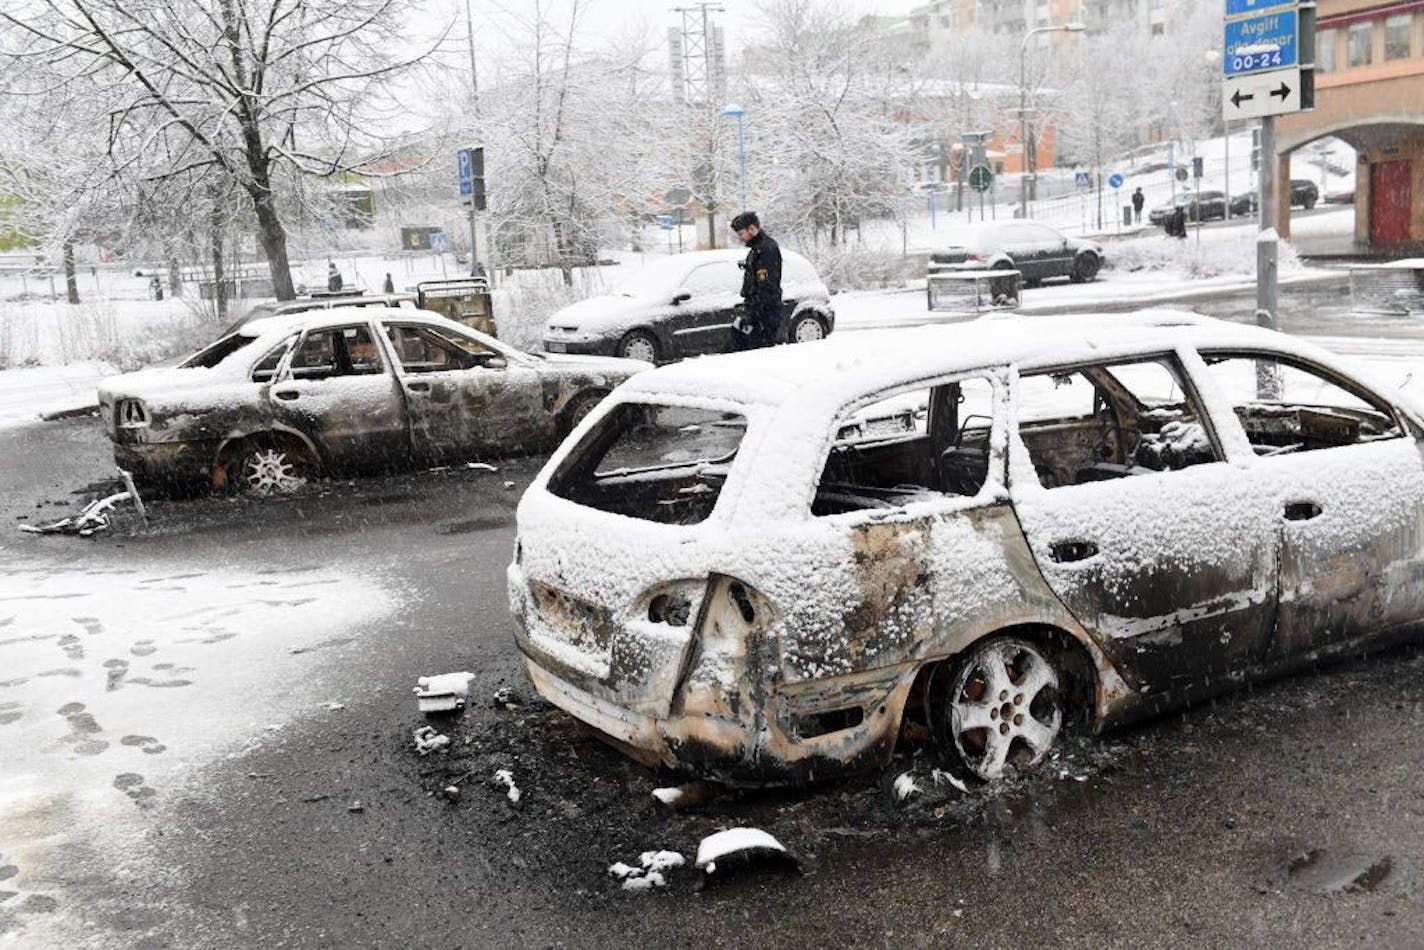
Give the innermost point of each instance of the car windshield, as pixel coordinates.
(653, 462)
(652, 282)
(215, 353)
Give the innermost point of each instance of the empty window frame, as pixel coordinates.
(1286, 407)
(338, 351)
(909, 446)
(1106, 421)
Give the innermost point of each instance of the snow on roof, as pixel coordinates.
(860, 361)
(284, 323)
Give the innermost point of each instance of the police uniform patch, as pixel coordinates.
(761, 273)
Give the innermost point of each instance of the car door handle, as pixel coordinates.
(287, 394)
(1302, 510)
(1065, 552)
(418, 387)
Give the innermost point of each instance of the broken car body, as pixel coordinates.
(755, 567)
(288, 397)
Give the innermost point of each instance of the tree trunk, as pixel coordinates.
(215, 238)
(175, 275)
(274, 242)
(71, 280)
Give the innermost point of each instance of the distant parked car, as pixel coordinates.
(684, 306)
(1198, 205)
(290, 397)
(1303, 193)
(1346, 196)
(1035, 250)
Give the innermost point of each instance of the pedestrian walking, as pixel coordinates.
(155, 287)
(1138, 200)
(389, 286)
(1177, 223)
(759, 323)
(333, 277)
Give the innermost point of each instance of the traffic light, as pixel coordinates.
(478, 167)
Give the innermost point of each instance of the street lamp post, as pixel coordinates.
(738, 113)
(1028, 156)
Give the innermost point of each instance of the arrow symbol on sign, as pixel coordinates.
(1237, 98)
(1282, 92)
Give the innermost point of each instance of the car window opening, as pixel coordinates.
(653, 462)
(425, 350)
(1102, 422)
(1285, 407)
(210, 356)
(912, 446)
(339, 351)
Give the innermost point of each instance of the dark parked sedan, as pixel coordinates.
(1036, 251)
(1198, 206)
(1303, 194)
(345, 390)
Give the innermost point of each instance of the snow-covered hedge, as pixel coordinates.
(1221, 253)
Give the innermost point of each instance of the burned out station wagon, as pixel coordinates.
(284, 398)
(756, 567)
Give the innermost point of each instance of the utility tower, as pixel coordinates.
(696, 54)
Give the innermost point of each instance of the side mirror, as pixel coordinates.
(681, 297)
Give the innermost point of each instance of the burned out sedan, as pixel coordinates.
(289, 397)
(757, 569)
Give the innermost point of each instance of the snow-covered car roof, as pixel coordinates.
(828, 372)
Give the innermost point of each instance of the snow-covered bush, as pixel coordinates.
(854, 267)
(1223, 253)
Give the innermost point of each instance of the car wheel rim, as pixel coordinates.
(809, 330)
(268, 472)
(1005, 709)
(640, 348)
(580, 411)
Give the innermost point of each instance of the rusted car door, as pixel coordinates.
(1347, 489)
(1168, 555)
(339, 391)
(465, 399)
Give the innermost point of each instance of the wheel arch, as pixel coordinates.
(1096, 686)
(235, 443)
(565, 413)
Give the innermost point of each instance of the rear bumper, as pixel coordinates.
(168, 463)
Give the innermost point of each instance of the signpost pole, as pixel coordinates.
(1266, 287)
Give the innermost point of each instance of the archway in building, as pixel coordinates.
(1389, 176)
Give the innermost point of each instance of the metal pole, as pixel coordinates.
(474, 241)
(1227, 172)
(1266, 296)
(742, 159)
(932, 209)
(1023, 132)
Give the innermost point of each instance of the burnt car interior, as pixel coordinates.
(653, 462)
(1286, 407)
(909, 447)
(425, 350)
(1101, 422)
(337, 351)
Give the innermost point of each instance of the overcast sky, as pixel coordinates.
(738, 18)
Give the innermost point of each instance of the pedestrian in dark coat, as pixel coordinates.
(1177, 223)
(759, 323)
(1138, 200)
(389, 286)
(333, 277)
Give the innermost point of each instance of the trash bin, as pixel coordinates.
(1127, 215)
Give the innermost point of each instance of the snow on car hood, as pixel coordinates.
(611, 365)
(606, 312)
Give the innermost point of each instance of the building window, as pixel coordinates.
(1361, 38)
(1325, 51)
(1396, 36)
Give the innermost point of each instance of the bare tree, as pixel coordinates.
(1096, 114)
(253, 90)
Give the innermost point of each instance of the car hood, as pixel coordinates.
(607, 311)
(606, 365)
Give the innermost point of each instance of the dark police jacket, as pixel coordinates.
(761, 281)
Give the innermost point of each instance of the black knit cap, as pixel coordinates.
(745, 220)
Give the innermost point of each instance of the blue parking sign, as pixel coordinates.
(465, 163)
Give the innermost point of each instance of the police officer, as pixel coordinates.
(760, 323)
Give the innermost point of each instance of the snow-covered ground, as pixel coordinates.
(120, 681)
